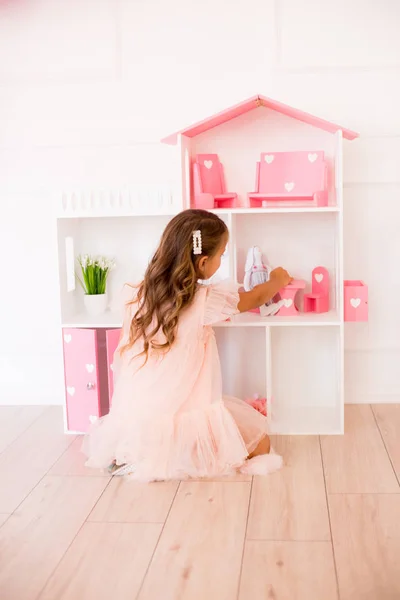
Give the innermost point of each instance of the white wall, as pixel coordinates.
(85, 83)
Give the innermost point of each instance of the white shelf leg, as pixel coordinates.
(268, 372)
(341, 375)
(340, 268)
(231, 223)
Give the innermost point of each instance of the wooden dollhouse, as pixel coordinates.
(274, 174)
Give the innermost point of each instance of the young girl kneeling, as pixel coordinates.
(168, 418)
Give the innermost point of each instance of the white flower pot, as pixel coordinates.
(95, 304)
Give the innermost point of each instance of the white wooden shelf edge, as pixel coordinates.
(276, 210)
(107, 214)
(174, 209)
(110, 319)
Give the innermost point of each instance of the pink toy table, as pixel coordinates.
(288, 295)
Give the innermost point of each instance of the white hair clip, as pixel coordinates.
(197, 245)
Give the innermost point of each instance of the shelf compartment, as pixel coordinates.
(306, 380)
(244, 372)
(297, 242)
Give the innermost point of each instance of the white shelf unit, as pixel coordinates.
(296, 362)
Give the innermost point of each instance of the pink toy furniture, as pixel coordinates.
(112, 337)
(209, 183)
(355, 301)
(82, 383)
(259, 404)
(299, 176)
(318, 300)
(288, 295)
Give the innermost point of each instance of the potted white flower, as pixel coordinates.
(95, 272)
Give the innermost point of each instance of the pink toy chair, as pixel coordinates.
(259, 404)
(318, 300)
(299, 176)
(209, 183)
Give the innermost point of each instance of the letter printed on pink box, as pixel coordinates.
(112, 337)
(81, 378)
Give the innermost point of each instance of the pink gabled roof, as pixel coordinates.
(250, 104)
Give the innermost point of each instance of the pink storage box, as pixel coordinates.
(89, 382)
(82, 378)
(355, 301)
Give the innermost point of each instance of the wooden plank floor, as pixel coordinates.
(326, 526)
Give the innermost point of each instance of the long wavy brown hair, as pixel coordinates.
(170, 282)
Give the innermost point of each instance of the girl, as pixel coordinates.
(169, 419)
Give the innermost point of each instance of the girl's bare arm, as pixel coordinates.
(262, 293)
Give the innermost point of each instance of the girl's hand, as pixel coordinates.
(259, 295)
(280, 277)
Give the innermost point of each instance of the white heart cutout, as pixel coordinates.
(312, 157)
(355, 302)
(318, 277)
(287, 302)
(67, 338)
(71, 390)
(208, 164)
(92, 419)
(289, 186)
(90, 368)
(269, 158)
(112, 367)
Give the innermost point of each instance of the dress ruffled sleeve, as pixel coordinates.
(129, 293)
(222, 301)
(127, 296)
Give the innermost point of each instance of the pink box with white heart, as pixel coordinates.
(355, 301)
(89, 384)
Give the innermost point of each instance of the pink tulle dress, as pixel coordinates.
(169, 418)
